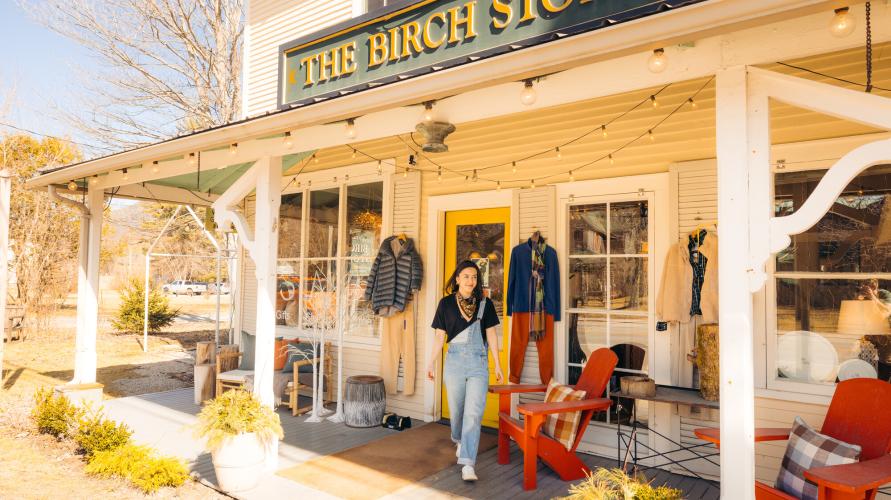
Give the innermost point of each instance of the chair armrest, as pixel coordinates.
(530, 409)
(517, 388)
(853, 478)
(713, 435)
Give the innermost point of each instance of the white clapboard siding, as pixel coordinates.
(248, 280)
(535, 210)
(271, 23)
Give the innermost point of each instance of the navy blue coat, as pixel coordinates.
(519, 297)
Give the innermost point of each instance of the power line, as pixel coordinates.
(20, 129)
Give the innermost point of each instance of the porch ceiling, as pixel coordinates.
(688, 135)
(217, 181)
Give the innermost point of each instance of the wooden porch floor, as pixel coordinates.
(163, 420)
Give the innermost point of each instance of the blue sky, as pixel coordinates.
(37, 64)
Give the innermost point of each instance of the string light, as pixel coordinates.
(653, 101)
(532, 185)
(155, 168)
(72, 186)
(559, 154)
(657, 61)
(353, 156)
(350, 128)
(498, 188)
(288, 141)
(612, 161)
(192, 159)
(842, 23)
(94, 180)
(315, 157)
(405, 173)
(475, 178)
(439, 174)
(528, 95)
(427, 116)
(124, 174)
(380, 168)
(514, 167)
(233, 148)
(692, 102)
(603, 131)
(571, 176)
(651, 136)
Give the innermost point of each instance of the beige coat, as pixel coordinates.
(675, 293)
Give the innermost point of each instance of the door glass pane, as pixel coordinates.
(287, 298)
(628, 339)
(323, 207)
(320, 294)
(290, 225)
(484, 245)
(587, 283)
(587, 229)
(360, 320)
(365, 209)
(628, 280)
(628, 227)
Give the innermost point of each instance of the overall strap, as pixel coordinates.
(479, 314)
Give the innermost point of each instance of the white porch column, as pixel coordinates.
(735, 300)
(88, 296)
(269, 180)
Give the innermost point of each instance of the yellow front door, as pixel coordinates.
(483, 237)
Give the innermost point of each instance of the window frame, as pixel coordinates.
(363, 173)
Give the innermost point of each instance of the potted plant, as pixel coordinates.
(615, 484)
(238, 429)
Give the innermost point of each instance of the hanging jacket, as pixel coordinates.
(394, 275)
(519, 298)
(676, 291)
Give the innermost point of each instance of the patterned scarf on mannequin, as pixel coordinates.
(536, 289)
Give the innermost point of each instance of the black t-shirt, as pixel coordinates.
(449, 318)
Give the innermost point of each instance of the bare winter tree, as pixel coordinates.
(167, 66)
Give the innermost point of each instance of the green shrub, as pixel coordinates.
(237, 412)
(140, 466)
(614, 484)
(54, 414)
(131, 312)
(96, 433)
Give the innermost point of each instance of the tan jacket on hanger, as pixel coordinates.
(675, 293)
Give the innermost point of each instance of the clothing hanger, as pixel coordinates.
(401, 236)
(535, 236)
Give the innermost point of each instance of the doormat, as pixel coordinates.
(381, 467)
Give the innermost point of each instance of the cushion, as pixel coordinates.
(808, 449)
(298, 352)
(248, 348)
(563, 426)
(235, 375)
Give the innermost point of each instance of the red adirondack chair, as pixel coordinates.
(860, 413)
(534, 443)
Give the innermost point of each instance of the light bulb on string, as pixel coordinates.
(315, 157)
(353, 156)
(532, 184)
(427, 116)
(498, 186)
(651, 136)
(653, 101)
(612, 161)
(439, 174)
(155, 168)
(559, 154)
(571, 176)
(193, 159)
(72, 186)
(380, 168)
(692, 102)
(288, 141)
(94, 180)
(124, 174)
(603, 131)
(528, 95)
(405, 173)
(842, 23)
(350, 129)
(513, 167)
(233, 148)
(474, 178)
(657, 61)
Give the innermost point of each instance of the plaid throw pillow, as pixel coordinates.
(563, 426)
(808, 449)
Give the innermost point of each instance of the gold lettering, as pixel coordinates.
(410, 33)
(394, 43)
(502, 7)
(428, 40)
(307, 62)
(377, 52)
(467, 21)
(550, 7)
(348, 58)
(527, 11)
(329, 63)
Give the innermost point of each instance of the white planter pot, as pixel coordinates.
(238, 464)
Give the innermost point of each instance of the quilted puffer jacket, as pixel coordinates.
(393, 277)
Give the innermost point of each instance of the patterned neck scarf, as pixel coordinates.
(467, 306)
(536, 288)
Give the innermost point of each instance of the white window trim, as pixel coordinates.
(362, 173)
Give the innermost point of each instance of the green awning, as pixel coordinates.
(218, 181)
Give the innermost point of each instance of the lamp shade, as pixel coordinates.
(862, 317)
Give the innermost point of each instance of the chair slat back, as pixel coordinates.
(860, 413)
(225, 362)
(593, 380)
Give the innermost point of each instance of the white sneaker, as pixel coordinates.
(458, 451)
(468, 474)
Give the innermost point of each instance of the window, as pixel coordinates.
(831, 288)
(608, 286)
(372, 5)
(325, 257)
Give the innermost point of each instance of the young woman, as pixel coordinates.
(467, 321)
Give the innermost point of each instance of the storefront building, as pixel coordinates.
(613, 129)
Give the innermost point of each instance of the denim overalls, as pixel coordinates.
(466, 377)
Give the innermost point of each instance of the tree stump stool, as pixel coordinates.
(364, 401)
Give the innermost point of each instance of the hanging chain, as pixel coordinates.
(868, 49)
(198, 177)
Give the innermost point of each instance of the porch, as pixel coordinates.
(163, 419)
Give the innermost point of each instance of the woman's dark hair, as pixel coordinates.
(452, 284)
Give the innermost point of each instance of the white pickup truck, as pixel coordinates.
(187, 287)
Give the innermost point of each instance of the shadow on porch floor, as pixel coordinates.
(163, 420)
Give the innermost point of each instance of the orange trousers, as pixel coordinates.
(519, 340)
(398, 341)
